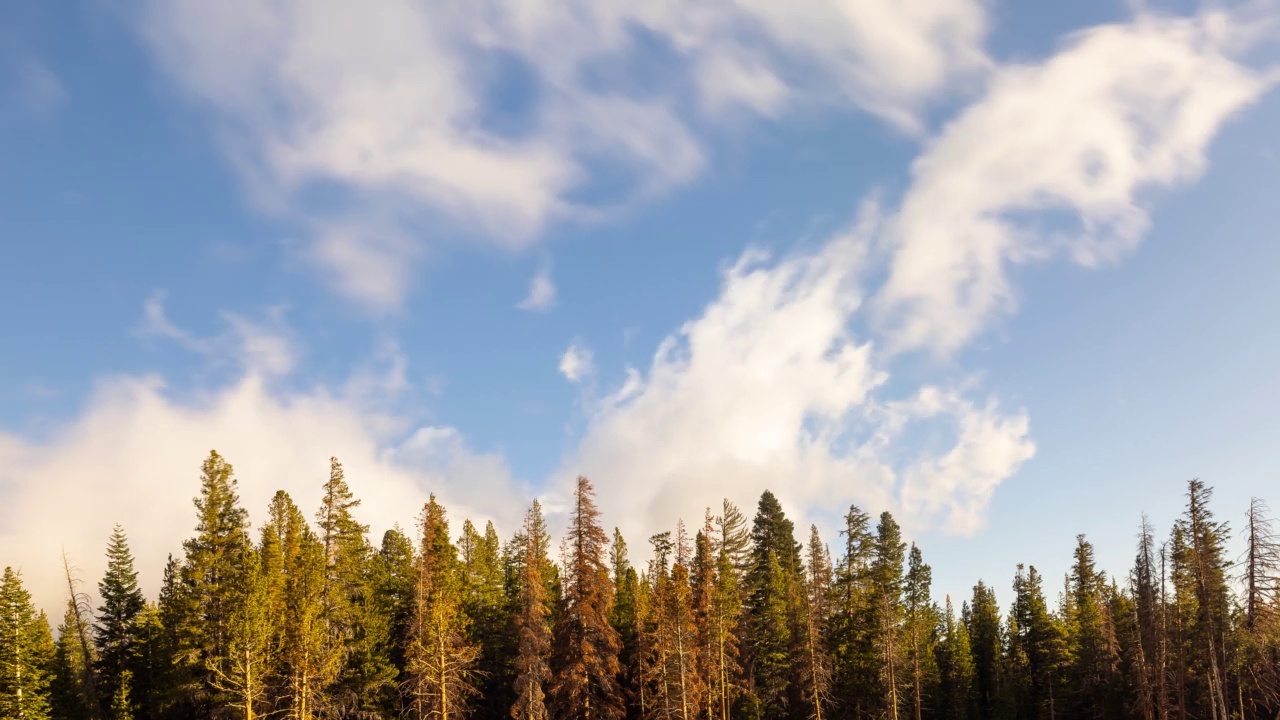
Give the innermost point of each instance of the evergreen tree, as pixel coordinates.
(815, 660)
(489, 618)
(851, 636)
(723, 621)
(920, 628)
(68, 697)
(346, 612)
(117, 633)
(955, 667)
(1041, 641)
(26, 653)
(391, 578)
(1092, 636)
(533, 629)
(240, 673)
(773, 578)
(982, 620)
(886, 606)
(307, 658)
(205, 609)
(122, 707)
(1257, 661)
(1204, 569)
(625, 619)
(440, 659)
(584, 684)
(78, 629)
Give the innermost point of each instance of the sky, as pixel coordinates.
(1005, 269)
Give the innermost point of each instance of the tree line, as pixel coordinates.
(732, 619)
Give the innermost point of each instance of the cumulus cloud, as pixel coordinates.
(542, 292)
(133, 456)
(577, 363)
(390, 116)
(770, 388)
(1121, 110)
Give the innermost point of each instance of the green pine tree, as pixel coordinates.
(26, 653)
(117, 631)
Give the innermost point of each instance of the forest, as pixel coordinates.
(732, 618)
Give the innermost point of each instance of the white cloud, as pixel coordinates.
(577, 362)
(1123, 109)
(266, 347)
(133, 456)
(392, 108)
(542, 292)
(769, 388)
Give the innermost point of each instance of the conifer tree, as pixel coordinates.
(69, 697)
(79, 628)
(346, 611)
(1258, 657)
(122, 707)
(724, 615)
(982, 620)
(26, 652)
(205, 605)
(391, 579)
(773, 579)
(955, 667)
(440, 659)
(584, 683)
(239, 675)
(307, 657)
(117, 633)
(624, 617)
(851, 636)
(815, 659)
(1150, 648)
(1204, 569)
(489, 619)
(533, 628)
(887, 579)
(920, 627)
(1091, 636)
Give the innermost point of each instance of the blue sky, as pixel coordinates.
(1002, 268)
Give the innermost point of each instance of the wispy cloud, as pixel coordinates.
(1121, 110)
(266, 347)
(542, 292)
(391, 108)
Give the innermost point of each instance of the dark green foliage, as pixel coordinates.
(118, 635)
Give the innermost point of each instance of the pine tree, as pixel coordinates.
(1204, 569)
(346, 597)
(440, 660)
(851, 636)
(584, 684)
(532, 620)
(307, 654)
(204, 609)
(815, 659)
(724, 617)
(79, 628)
(773, 579)
(624, 617)
(955, 668)
(26, 649)
(1092, 638)
(239, 674)
(391, 579)
(982, 620)
(489, 619)
(920, 627)
(122, 707)
(1258, 657)
(1149, 648)
(886, 574)
(117, 631)
(69, 697)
